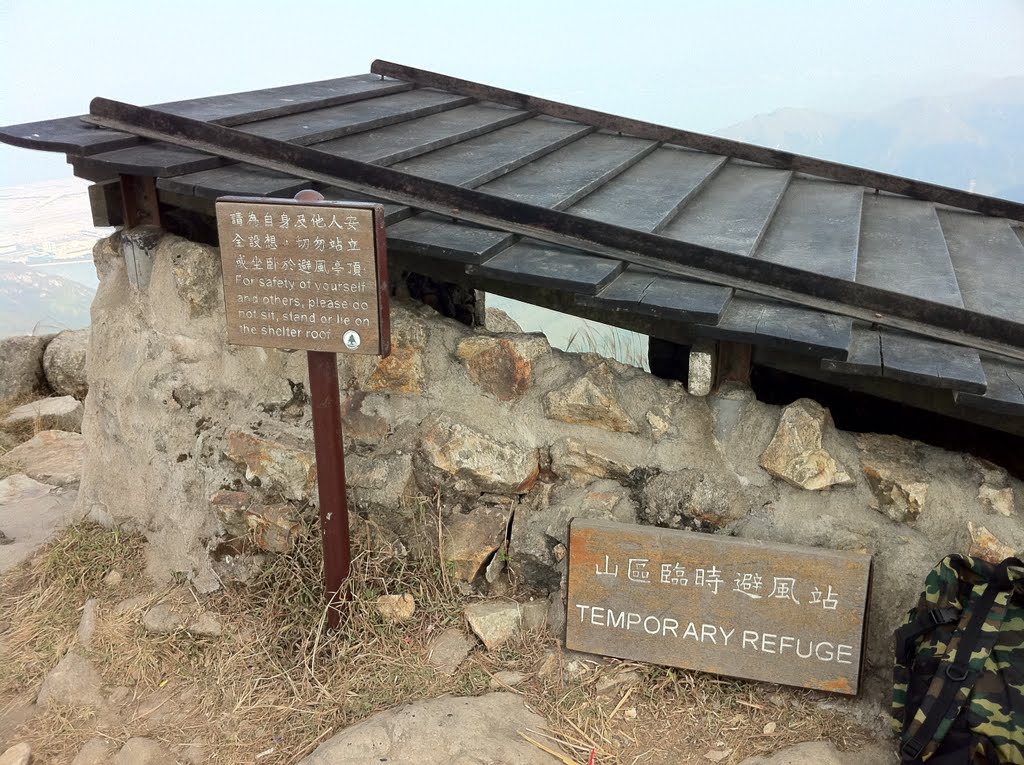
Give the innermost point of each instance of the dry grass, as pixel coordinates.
(610, 342)
(277, 683)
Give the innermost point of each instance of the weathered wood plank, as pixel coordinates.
(902, 247)
(1005, 393)
(760, 610)
(237, 108)
(68, 134)
(152, 160)
(650, 293)
(432, 235)
(482, 159)
(919, 360)
(733, 210)
(647, 195)
(306, 128)
(911, 359)
(385, 145)
(75, 136)
(569, 174)
(988, 260)
(234, 180)
(816, 228)
(419, 136)
(748, 319)
(546, 265)
(865, 356)
(333, 122)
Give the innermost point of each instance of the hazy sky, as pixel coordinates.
(700, 66)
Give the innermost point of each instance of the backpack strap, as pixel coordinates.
(925, 621)
(960, 667)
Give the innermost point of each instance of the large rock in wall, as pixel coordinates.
(503, 438)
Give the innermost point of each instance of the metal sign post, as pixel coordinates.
(309, 274)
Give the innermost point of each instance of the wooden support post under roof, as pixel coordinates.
(139, 201)
(734, 362)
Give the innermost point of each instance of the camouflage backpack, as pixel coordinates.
(959, 676)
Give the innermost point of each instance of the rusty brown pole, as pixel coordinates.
(330, 468)
(330, 472)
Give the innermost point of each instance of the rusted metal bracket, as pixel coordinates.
(785, 160)
(885, 307)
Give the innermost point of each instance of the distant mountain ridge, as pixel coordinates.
(33, 302)
(972, 140)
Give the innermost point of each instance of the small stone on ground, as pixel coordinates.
(495, 622)
(447, 730)
(73, 682)
(448, 650)
(59, 413)
(19, 754)
(143, 751)
(50, 456)
(396, 608)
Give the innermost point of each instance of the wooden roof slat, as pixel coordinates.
(550, 266)
(1005, 393)
(918, 360)
(748, 319)
(648, 195)
(431, 235)
(484, 158)
(414, 137)
(164, 159)
(77, 137)
(912, 359)
(816, 228)
(248, 106)
(902, 248)
(559, 179)
(240, 178)
(644, 291)
(864, 357)
(442, 129)
(68, 134)
(732, 212)
(709, 143)
(988, 260)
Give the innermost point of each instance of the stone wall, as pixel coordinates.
(498, 437)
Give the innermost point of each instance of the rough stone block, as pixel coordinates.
(796, 455)
(694, 499)
(475, 461)
(590, 400)
(469, 539)
(275, 527)
(21, 366)
(892, 467)
(74, 681)
(50, 456)
(281, 461)
(495, 622)
(501, 366)
(59, 413)
(64, 363)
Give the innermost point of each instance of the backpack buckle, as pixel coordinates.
(956, 673)
(911, 750)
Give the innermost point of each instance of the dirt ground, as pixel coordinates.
(276, 682)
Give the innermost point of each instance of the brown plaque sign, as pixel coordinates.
(757, 610)
(304, 275)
